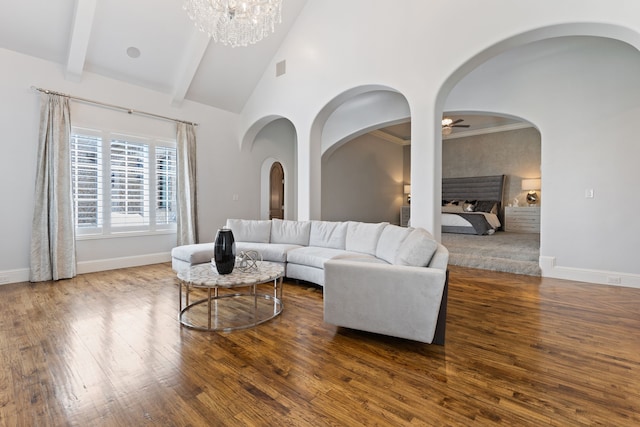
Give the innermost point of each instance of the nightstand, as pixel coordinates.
(522, 219)
(405, 214)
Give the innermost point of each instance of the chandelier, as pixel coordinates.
(235, 22)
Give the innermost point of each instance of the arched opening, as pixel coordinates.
(361, 173)
(276, 191)
(572, 88)
(276, 142)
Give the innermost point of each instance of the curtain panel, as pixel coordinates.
(187, 215)
(53, 250)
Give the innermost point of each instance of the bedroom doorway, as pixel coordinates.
(496, 145)
(276, 191)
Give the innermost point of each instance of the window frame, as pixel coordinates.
(107, 229)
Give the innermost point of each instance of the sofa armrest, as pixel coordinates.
(400, 301)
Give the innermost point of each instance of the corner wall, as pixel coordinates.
(218, 159)
(362, 181)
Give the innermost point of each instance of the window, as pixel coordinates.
(112, 180)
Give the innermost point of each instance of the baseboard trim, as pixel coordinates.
(22, 275)
(14, 276)
(602, 277)
(123, 262)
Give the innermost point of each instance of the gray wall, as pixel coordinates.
(362, 181)
(515, 153)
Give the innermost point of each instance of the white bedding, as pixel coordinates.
(457, 221)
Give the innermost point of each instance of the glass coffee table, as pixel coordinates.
(233, 301)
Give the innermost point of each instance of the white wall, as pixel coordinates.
(220, 162)
(413, 51)
(362, 181)
(583, 93)
(276, 142)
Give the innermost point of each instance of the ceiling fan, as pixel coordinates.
(448, 125)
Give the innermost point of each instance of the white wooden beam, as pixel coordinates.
(391, 138)
(80, 35)
(194, 53)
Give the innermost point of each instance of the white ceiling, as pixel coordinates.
(177, 59)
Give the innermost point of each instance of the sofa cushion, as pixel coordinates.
(314, 256)
(328, 234)
(249, 230)
(363, 237)
(269, 251)
(290, 232)
(193, 254)
(417, 249)
(389, 242)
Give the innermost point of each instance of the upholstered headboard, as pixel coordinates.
(476, 188)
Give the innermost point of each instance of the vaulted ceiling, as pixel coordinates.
(104, 36)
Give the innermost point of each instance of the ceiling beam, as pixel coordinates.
(391, 138)
(194, 53)
(484, 131)
(80, 35)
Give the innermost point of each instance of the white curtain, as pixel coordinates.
(53, 250)
(187, 216)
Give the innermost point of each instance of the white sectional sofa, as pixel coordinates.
(376, 277)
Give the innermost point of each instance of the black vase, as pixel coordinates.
(224, 251)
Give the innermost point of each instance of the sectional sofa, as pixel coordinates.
(379, 278)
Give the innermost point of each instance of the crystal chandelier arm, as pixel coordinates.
(235, 23)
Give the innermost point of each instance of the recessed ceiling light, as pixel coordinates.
(133, 52)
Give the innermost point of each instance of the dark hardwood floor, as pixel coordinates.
(106, 349)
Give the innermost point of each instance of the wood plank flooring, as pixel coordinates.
(106, 349)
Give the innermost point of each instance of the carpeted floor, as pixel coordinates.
(502, 251)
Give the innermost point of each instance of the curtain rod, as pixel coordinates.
(115, 107)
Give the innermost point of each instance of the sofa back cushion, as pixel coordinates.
(363, 237)
(389, 243)
(417, 249)
(328, 234)
(250, 230)
(440, 258)
(290, 232)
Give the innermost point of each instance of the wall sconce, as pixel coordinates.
(531, 185)
(407, 191)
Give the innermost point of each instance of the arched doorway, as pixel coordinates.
(276, 191)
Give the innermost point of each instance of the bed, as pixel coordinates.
(473, 205)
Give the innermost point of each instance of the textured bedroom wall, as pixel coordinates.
(515, 153)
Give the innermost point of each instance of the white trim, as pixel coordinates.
(484, 131)
(125, 234)
(602, 277)
(14, 276)
(388, 137)
(123, 262)
(22, 275)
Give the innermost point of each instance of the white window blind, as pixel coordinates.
(122, 184)
(86, 161)
(165, 185)
(129, 183)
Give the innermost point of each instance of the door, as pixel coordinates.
(276, 191)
